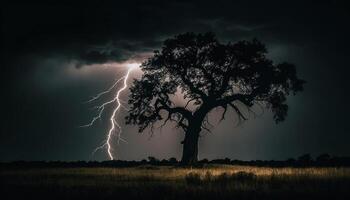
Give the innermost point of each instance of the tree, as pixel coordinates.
(209, 75)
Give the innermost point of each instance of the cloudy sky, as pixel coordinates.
(55, 56)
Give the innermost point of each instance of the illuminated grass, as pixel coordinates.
(214, 181)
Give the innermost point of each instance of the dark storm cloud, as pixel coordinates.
(115, 31)
(124, 28)
(41, 41)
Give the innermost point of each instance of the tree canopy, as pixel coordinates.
(209, 75)
(212, 74)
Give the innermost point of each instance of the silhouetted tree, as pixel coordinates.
(153, 160)
(305, 159)
(323, 159)
(209, 75)
(172, 160)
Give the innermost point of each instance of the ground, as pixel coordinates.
(171, 182)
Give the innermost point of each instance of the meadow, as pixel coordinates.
(172, 182)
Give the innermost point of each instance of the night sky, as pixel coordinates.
(55, 56)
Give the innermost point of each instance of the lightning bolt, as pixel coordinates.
(115, 128)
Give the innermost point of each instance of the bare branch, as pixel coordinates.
(240, 114)
(223, 114)
(189, 102)
(205, 128)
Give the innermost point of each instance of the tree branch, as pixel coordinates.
(240, 114)
(179, 110)
(189, 102)
(223, 114)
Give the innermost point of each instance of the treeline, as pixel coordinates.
(324, 160)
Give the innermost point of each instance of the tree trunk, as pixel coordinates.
(190, 148)
(190, 144)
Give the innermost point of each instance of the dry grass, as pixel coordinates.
(149, 182)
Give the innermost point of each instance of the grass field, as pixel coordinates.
(154, 182)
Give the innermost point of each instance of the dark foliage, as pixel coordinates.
(209, 74)
(324, 160)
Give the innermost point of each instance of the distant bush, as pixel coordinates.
(172, 160)
(323, 158)
(153, 160)
(204, 161)
(305, 159)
